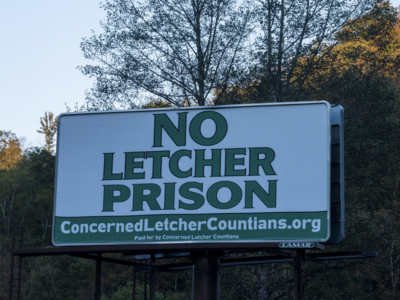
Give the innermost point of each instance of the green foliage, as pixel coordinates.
(154, 103)
(294, 70)
(49, 129)
(379, 27)
(125, 292)
(26, 197)
(10, 149)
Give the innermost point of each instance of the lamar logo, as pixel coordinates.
(296, 245)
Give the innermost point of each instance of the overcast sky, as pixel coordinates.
(39, 53)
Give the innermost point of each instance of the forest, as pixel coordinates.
(354, 64)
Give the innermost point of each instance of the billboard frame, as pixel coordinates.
(179, 244)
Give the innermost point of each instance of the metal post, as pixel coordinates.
(10, 296)
(134, 285)
(145, 286)
(298, 291)
(206, 278)
(152, 285)
(97, 294)
(21, 244)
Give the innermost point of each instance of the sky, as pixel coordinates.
(39, 54)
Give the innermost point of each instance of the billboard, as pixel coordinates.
(242, 173)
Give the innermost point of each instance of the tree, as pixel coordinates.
(176, 50)
(357, 76)
(365, 48)
(294, 38)
(10, 184)
(10, 149)
(157, 104)
(379, 28)
(49, 129)
(370, 101)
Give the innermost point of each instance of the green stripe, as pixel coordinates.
(316, 230)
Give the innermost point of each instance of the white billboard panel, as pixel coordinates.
(211, 174)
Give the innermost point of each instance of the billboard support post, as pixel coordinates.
(298, 289)
(98, 279)
(145, 286)
(21, 243)
(206, 278)
(134, 285)
(12, 265)
(152, 281)
(19, 266)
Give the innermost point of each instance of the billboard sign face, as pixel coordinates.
(243, 173)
